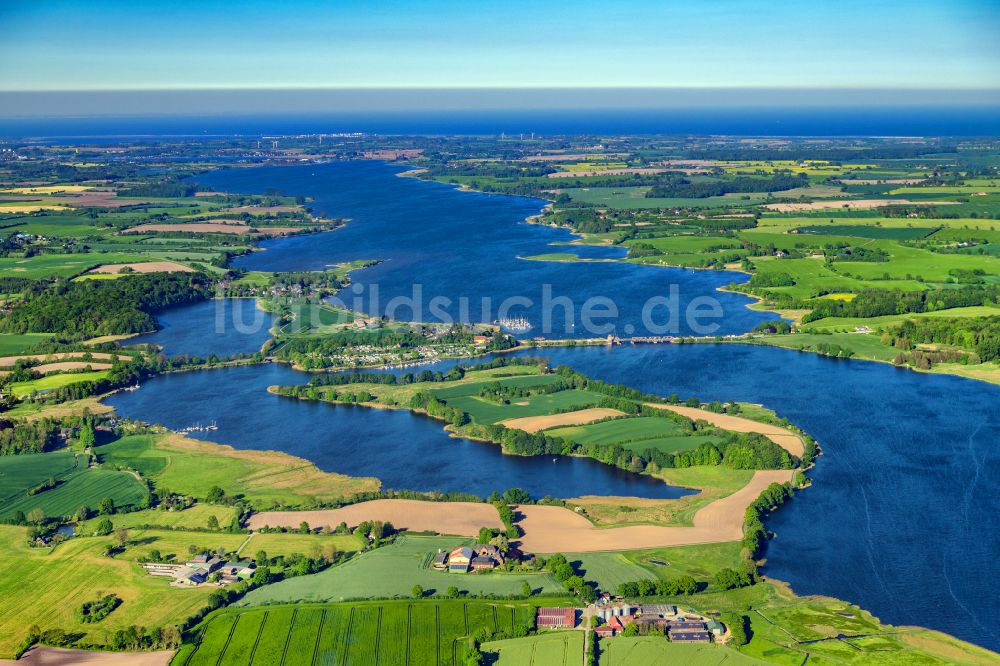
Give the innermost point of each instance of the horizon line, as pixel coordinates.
(373, 99)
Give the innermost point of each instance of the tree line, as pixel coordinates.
(681, 187)
(91, 308)
(880, 302)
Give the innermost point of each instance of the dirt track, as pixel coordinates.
(536, 423)
(550, 529)
(784, 438)
(461, 518)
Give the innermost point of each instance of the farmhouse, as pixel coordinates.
(192, 578)
(234, 571)
(460, 559)
(204, 562)
(482, 563)
(615, 625)
(556, 618)
(604, 631)
(480, 557)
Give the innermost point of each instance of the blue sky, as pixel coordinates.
(137, 45)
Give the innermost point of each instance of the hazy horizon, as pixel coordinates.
(249, 101)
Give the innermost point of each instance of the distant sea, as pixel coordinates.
(839, 121)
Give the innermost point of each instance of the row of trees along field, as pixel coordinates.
(880, 302)
(683, 188)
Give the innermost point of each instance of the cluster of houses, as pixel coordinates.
(200, 568)
(616, 614)
(480, 557)
(681, 626)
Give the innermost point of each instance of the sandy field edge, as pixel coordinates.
(783, 437)
(460, 518)
(550, 529)
(579, 417)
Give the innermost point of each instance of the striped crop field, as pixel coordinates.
(419, 633)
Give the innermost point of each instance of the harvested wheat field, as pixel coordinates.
(145, 267)
(7, 361)
(461, 518)
(210, 228)
(62, 366)
(783, 437)
(854, 203)
(551, 529)
(579, 417)
(48, 656)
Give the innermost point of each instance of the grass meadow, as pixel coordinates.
(556, 648)
(482, 410)
(37, 583)
(76, 485)
(49, 382)
(183, 465)
(653, 651)
(392, 571)
(12, 344)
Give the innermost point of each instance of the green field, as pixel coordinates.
(63, 265)
(864, 346)
(871, 231)
(608, 570)
(632, 198)
(264, 478)
(850, 323)
(472, 388)
(134, 452)
(45, 587)
(78, 485)
(617, 431)
(276, 544)
(387, 632)
(392, 571)
(21, 472)
(12, 344)
(59, 226)
(669, 444)
(482, 410)
(193, 518)
(654, 650)
(688, 244)
(49, 382)
(562, 648)
(700, 562)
